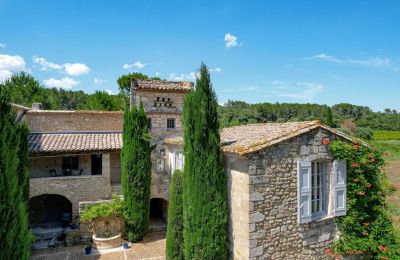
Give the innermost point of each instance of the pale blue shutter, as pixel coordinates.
(339, 188)
(172, 161)
(303, 191)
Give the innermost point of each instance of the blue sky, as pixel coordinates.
(258, 51)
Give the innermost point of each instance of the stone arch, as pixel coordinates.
(158, 213)
(50, 209)
(42, 189)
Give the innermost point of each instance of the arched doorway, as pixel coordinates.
(49, 210)
(158, 214)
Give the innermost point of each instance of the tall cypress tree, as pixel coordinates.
(175, 218)
(329, 119)
(15, 237)
(136, 173)
(204, 190)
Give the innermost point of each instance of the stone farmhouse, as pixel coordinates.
(284, 187)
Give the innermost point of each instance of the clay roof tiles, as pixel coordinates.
(246, 139)
(163, 85)
(74, 142)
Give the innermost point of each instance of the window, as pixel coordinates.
(160, 165)
(319, 182)
(319, 185)
(171, 123)
(70, 163)
(177, 161)
(97, 164)
(149, 123)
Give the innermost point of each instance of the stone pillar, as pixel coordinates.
(106, 167)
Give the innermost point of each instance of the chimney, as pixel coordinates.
(37, 106)
(132, 93)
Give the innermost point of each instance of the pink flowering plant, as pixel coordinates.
(367, 229)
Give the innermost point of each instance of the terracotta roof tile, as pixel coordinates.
(246, 139)
(74, 142)
(184, 86)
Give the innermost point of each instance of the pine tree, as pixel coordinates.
(15, 236)
(329, 119)
(175, 218)
(136, 173)
(204, 190)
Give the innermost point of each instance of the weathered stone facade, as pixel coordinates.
(274, 232)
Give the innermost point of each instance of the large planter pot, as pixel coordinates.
(107, 243)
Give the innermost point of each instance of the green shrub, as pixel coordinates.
(364, 133)
(103, 210)
(366, 230)
(175, 218)
(204, 190)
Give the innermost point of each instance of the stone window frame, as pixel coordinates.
(149, 123)
(171, 124)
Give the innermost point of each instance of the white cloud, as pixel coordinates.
(216, 69)
(10, 64)
(158, 73)
(65, 82)
(109, 92)
(377, 62)
(46, 65)
(183, 77)
(137, 64)
(240, 89)
(4, 74)
(76, 69)
(98, 81)
(2, 45)
(230, 40)
(304, 91)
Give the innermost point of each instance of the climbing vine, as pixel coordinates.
(367, 229)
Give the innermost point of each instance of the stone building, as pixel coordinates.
(284, 187)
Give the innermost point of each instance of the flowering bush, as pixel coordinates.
(366, 229)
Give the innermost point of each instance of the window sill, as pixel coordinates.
(322, 218)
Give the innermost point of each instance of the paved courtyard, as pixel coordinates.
(152, 247)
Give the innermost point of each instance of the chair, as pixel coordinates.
(80, 172)
(53, 173)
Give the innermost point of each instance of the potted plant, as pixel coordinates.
(88, 250)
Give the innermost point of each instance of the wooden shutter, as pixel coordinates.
(172, 161)
(339, 188)
(303, 191)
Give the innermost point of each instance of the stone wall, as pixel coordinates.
(70, 121)
(75, 188)
(275, 233)
(238, 205)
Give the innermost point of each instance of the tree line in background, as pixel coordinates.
(24, 90)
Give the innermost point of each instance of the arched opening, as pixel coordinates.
(158, 214)
(50, 210)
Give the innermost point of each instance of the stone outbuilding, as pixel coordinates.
(284, 189)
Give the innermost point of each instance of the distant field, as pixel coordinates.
(386, 135)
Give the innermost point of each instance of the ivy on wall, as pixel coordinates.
(367, 229)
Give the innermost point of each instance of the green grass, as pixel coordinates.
(392, 147)
(386, 135)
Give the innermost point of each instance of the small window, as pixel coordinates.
(149, 123)
(70, 163)
(170, 123)
(160, 165)
(319, 185)
(158, 98)
(155, 104)
(163, 99)
(168, 99)
(97, 164)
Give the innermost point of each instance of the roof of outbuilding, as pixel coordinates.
(40, 143)
(246, 139)
(163, 85)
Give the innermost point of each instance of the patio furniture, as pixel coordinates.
(67, 173)
(80, 172)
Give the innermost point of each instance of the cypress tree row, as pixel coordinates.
(204, 190)
(15, 237)
(175, 218)
(136, 173)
